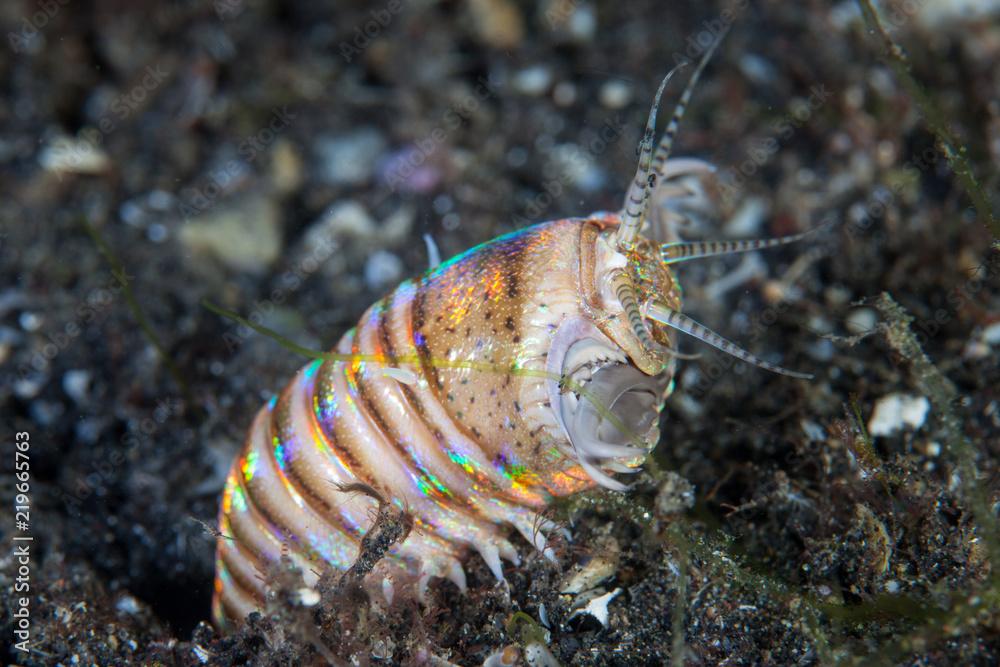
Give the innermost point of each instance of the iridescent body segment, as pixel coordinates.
(530, 367)
(469, 449)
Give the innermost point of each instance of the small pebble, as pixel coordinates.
(539, 655)
(396, 227)
(88, 430)
(137, 211)
(344, 217)
(689, 407)
(382, 649)
(308, 597)
(76, 383)
(813, 431)
(821, 350)
(382, 268)
(748, 219)
(156, 233)
(820, 324)
(504, 657)
(757, 69)
(127, 604)
(836, 295)
(615, 94)
(131, 213)
(287, 172)
(412, 168)
(676, 494)
(861, 320)
(582, 24)
(603, 565)
(895, 412)
(74, 156)
(350, 159)
(498, 23)
(46, 413)
(29, 321)
(245, 236)
(981, 346)
(517, 157)
(991, 334)
(577, 167)
(936, 15)
(160, 200)
(751, 268)
(443, 204)
(564, 94)
(533, 81)
(28, 387)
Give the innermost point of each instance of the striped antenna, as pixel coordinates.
(625, 293)
(667, 142)
(671, 253)
(664, 315)
(638, 192)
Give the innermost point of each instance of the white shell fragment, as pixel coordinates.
(598, 607)
(896, 411)
(602, 566)
(507, 656)
(539, 655)
(74, 156)
(543, 616)
(980, 345)
(308, 597)
(588, 576)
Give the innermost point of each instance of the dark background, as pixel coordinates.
(285, 160)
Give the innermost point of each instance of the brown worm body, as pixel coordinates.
(474, 445)
(530, 367)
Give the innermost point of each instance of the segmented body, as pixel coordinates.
(469, 449)
(530, 367)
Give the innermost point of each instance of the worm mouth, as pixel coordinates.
(607, 406)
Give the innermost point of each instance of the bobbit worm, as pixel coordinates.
(527, 368)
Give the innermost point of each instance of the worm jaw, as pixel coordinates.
(622, 283)
(606, 407)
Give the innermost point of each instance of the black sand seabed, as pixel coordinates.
(204, 142)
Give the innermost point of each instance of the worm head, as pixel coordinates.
(614, 369)
(530, 344)
(620, 377)
(553, 346)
